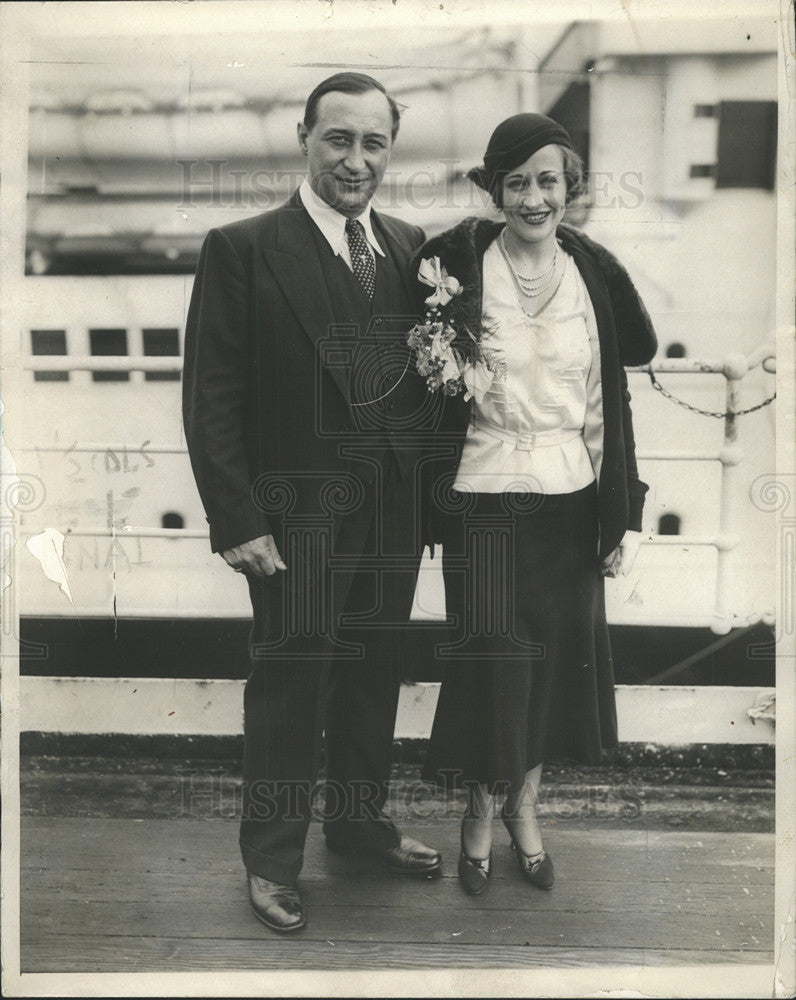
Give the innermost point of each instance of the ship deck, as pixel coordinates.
(168, 896)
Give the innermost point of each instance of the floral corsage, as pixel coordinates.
(450, 360)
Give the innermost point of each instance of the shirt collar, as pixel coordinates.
(332, 223)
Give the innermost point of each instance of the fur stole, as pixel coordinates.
(461, 251)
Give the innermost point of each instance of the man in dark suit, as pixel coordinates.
(305, 423)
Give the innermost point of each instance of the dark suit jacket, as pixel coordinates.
(265, 408)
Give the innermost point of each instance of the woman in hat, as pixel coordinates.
(537, 494)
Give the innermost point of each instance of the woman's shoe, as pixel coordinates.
(536, 868)
(474, 873)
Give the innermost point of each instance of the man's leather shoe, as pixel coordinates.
(279, 907)
(409, 857)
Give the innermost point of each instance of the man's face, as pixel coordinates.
(348, 149)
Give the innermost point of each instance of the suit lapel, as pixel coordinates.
(394, 243)
(294, 263)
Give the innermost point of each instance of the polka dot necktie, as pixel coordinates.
(362, 263)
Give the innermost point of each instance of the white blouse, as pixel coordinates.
(539, 427)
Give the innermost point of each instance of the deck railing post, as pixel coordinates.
(725, 614)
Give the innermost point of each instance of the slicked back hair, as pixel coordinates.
(348, 83)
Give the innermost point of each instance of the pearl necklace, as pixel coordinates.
(531, 318)
(530, 285)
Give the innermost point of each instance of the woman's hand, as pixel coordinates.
(620, 561)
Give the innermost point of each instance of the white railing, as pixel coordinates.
(146, 706)
(102, 363)
(734, 367)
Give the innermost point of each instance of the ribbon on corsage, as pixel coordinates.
(431, 273)
(450, 361)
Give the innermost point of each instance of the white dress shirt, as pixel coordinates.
(539, 428)
(332, 224)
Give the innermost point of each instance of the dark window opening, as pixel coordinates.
(675, 350)
(110, 343)
(702, 170)
(172, 520)
(669, 524)
(161, 342)
(705, 111)
(48, 342)
(572, 111)
(747, 144)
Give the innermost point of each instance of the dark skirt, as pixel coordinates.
(529, 675)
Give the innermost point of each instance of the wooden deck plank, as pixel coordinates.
(161, 890)
(210, 846)
(376, 889)
(449, 925)
(73, 954)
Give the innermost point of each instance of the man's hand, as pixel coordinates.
(260, 557)
(620, 561)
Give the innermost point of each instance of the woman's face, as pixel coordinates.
(535, 195)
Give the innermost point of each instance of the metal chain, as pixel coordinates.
(706, 413)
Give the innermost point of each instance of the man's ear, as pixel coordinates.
(302, 133)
